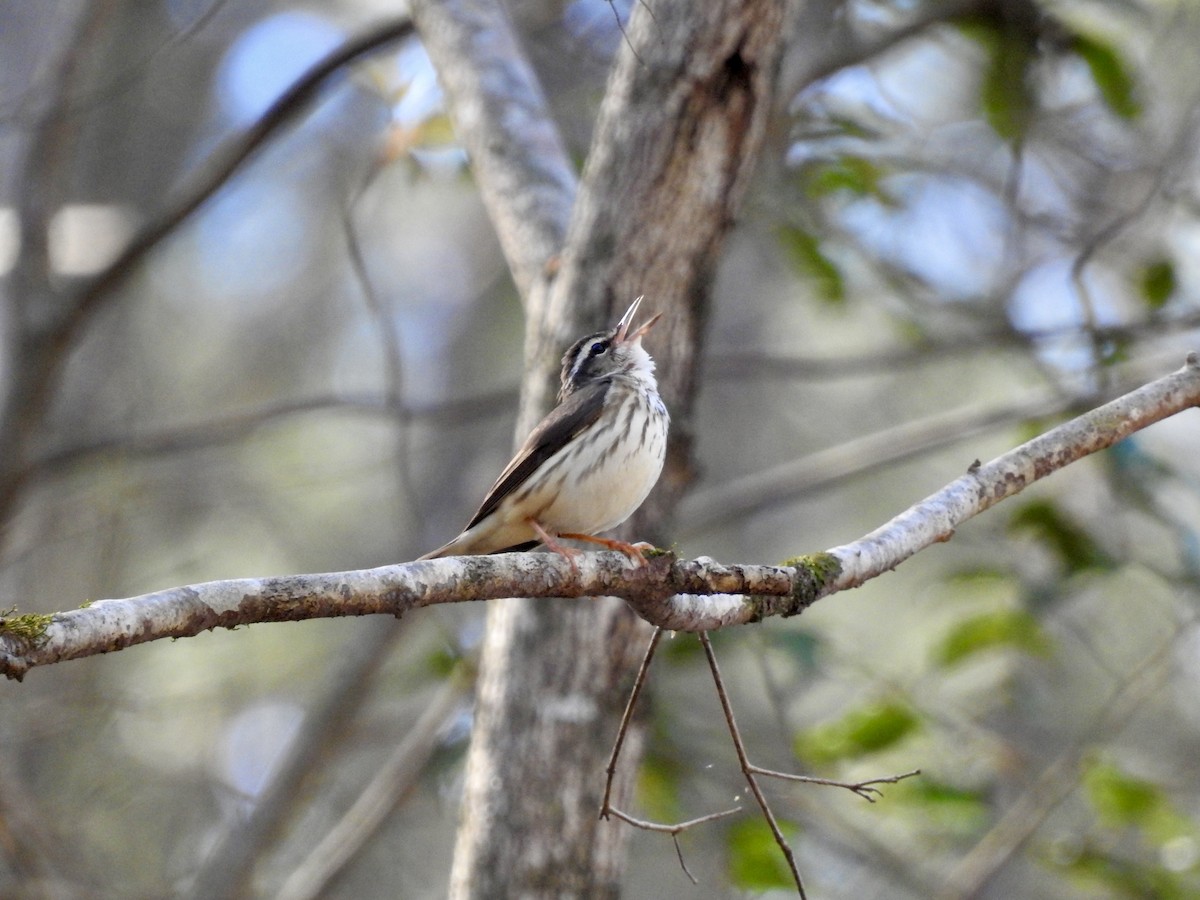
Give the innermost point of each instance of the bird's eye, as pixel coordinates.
(597, 348)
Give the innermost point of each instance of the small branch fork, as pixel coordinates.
(864, 789)
(672, 830)
(747, 769)
(606, 807)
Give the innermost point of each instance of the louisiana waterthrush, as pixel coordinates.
(590, 463)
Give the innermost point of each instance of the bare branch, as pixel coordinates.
(677, 827)
(107, 625)
(739, 497)
(864, 789)
(638, 684)
(747, 768)
(934, 519)
(525, 176)
(678, 595)
(673, 830)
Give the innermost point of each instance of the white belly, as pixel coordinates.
(603, 493)
(585, 491)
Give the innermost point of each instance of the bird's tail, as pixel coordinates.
(463, 546)
(444, 550)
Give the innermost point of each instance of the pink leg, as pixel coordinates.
(635, 552)
(548, 539)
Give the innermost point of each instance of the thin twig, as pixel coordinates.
(237, 152)
(747, 768)
(624, 33)
(674, 830)
(389, 341)
(864, 789)
(640, 681)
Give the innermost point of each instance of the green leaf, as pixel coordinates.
(1072, 545)
(1120, 799)
(850, 174)
(865, 730)
(1005, 100)
(943, 807)
(804, 251)
(658, 787)
(1158, 282)
(1014, 628)
(1004, 86)
(442, 661)
(800, 646)
(1100, 871)
(1110, 74)
(755, 861)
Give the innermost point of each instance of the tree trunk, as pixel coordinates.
(679, 132)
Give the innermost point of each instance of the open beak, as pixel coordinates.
(626, 322)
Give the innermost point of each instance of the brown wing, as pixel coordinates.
(574, 415)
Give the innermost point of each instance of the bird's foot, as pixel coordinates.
(636, 553)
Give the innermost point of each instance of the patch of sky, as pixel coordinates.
(1047, 303)
(250, 244)
(254, 743)
(422, 96)
(948, 231)
(268, 58)
(595, 21)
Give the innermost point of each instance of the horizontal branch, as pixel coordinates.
(106, 625)
(934, 519)
(674, 594)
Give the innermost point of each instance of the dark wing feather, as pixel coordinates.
(575, 414)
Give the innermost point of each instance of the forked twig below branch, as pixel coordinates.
(623, 729)
(673, 830)
(747, 768)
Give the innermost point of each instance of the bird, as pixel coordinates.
(589, 464)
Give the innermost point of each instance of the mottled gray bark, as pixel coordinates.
(679, 133)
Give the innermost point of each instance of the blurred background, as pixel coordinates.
(972, 219)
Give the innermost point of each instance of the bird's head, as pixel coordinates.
(604, 353)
